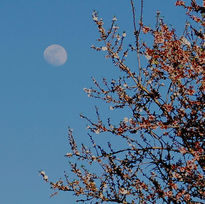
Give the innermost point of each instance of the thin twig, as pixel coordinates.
(137, 33)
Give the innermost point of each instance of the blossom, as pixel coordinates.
(118, 37)
(114, 18)
(77, 153)
(148, 57)
(104, 48)
(124, 34)
(190, 91)
(123, 191)
(126, 120)
(45, 178)
(196, 19)
(69, 155)
(182, 169)
(185, 41)
(94, 15)
(168, 107)
(43, 174)
(111, 108)
(182, 150)
(180, 3)
(115, 27)
(145, 29)
(115, 55)
(94, 158)
(151, 118)
(168, 193)
(176, 175)
(191, 165)
(97, 131)
(187, 197)
(158, 38)
(179, 195)
(174, 186)
(87, 90)
(95, 18)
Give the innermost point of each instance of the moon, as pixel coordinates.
(55, 55)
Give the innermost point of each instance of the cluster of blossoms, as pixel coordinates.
(159, 154)
(43, 174)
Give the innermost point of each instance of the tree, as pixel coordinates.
(161, 156)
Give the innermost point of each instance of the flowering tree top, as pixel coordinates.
(161, 153)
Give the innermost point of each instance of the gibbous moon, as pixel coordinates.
(55, 55)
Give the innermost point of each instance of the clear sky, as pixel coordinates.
(38, 101)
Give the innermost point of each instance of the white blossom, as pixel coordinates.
(115, 27)
(77, 153)
(148, 57)
(45, 178)
(118, 37)
(68, 154)
(97, 131)
(115, 55)
(123, 191)
(185, 41)
(104, 48)
(94, 14)
(124, 34)
(114, 18)
(126, 120)
(111, 108)
(87, 90)
(42, 173)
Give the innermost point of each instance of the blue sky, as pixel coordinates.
(38, 101)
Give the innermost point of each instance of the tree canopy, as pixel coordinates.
(159, 157)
